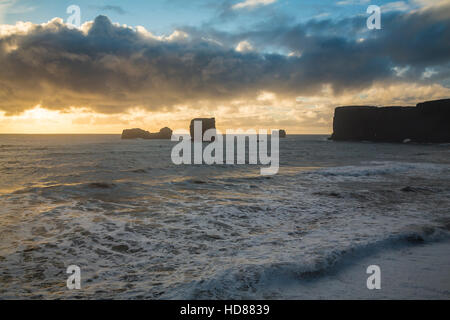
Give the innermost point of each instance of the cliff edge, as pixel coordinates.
(427, 122)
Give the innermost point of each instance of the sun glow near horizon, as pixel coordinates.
(303, 115)
(81, 121)
(114, 73)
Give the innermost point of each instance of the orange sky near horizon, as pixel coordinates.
(43, 121)
(104, 77)
(305, 115)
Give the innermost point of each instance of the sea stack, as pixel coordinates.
(163, 134)
(207, 123)
(135, 134)
(428, 122)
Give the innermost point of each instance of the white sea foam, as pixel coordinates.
(267, 281)
(192, 231)
(378, 168)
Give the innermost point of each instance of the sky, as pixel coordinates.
(252, 64)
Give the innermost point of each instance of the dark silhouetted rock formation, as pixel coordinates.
(207, 123)
(427, 122)
(282, 133)
(135, 134)
(164, 133)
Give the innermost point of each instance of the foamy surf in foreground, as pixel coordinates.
(141, 227)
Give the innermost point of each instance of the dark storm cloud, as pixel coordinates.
(110, 68)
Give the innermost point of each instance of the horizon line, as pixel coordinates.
(43, 134)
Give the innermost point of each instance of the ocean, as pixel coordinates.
(140, 227)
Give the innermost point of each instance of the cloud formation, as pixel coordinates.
(110, 68)
(252, 4)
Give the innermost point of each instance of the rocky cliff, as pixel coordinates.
(427, 122)
(164, 133)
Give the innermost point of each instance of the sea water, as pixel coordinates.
(141, 227)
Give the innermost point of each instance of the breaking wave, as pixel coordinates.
(253, 281)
